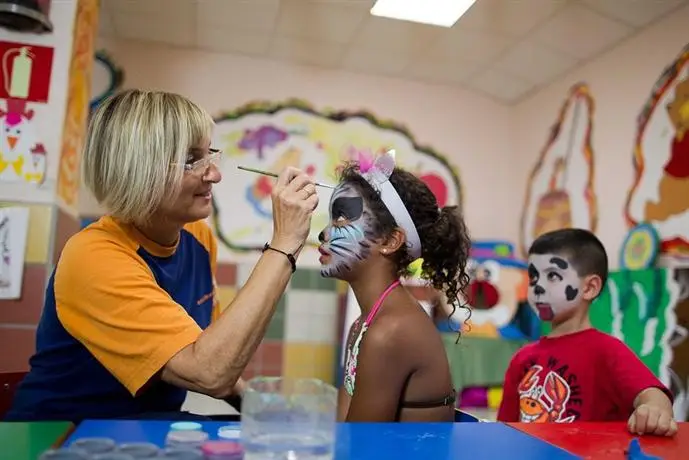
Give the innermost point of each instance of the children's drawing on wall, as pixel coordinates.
(22, 155)
(660, 192)
(14, 225)
(106, 79)
(559, 191)
(272, 136)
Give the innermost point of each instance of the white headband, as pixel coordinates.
(377, 173)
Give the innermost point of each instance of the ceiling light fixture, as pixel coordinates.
(443, 13)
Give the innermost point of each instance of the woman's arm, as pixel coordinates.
(382, 370)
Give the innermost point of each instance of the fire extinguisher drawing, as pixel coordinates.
(18, 74)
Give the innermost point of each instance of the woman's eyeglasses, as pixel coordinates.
(200, 166)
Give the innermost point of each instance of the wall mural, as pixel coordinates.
(22, 154)
(560, 190)
(271, 136)
(660, 192)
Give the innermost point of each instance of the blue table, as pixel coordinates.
(379, 441)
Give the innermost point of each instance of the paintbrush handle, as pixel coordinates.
(266, 173)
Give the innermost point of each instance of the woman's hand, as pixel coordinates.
(294, 200)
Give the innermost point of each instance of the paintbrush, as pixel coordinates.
(266, 173)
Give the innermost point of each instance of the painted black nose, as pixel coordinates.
(321, 236)
(538, 290)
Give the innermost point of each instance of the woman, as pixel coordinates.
(126, 328)
(383, 218)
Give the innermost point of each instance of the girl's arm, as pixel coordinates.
(382, 370)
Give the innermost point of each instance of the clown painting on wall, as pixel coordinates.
(560, 188)
(496, 292)
(660, 192)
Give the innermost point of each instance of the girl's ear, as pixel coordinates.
(393, 242)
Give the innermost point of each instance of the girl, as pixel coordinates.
(382, 219)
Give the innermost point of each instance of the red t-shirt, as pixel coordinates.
(586, 376)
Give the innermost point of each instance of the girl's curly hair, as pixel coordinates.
(445, 242)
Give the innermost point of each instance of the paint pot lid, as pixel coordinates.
(187, 437)
(112, 456)
(64, 453)
(222, 448)
(182, 454)
(229, 432)
(139, 450)
(185, 426)
(95, 445)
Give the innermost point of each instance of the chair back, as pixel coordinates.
(8, 384)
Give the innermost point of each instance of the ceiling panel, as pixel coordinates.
(637, 13)
(581, 32)
(254, 15)
(535, 63)
(506, 49)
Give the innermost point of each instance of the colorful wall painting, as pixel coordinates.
(22, 154)
(78, 96)
(14, 226)
(107, 78)
(560, 190)
(660, 191)
(271, 136)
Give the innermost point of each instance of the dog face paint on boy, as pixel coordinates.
(554, 285)
(348, 238)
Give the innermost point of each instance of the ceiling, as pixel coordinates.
(505, 49)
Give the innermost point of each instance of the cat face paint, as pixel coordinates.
(349, 237)
(554, 285)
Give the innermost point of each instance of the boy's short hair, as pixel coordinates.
(583, 249)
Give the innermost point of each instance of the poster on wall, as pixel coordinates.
(26, 71)
(22, 154)
(660, 191)
(559, 192)
(272, 136)
(14, 226)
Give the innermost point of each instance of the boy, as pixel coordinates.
(577, 373)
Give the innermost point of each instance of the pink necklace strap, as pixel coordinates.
(379, 302)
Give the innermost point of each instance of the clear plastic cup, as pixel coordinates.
(288, 418)
(139, 450)
(173, 453)
(93, 446)
(64, 453)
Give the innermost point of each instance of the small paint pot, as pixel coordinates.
(112, 456)
(194, 439)
(186, 426)
(64, 453)
(229, 432)
(173, 453)
(139, 450)
(222, 450)
(93, 446)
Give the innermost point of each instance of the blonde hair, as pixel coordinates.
(134, 139)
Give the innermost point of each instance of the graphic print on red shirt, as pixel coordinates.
(543, 397)
(586, 376)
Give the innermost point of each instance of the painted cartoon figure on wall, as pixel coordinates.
(271, 136)
(660, 192)
(496, 291)
(22, 156)
(560, 188)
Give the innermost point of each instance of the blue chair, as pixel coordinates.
(461, 416)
